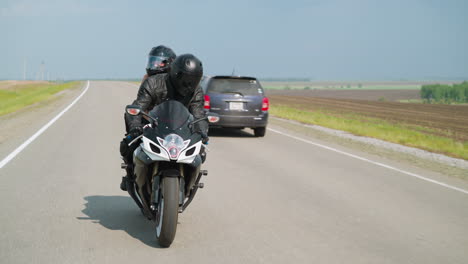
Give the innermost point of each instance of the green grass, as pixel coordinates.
(389, 87)
(413, 101)
(373, 127)
(16, 98)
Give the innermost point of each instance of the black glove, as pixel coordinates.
(205, 138)
(124, 148)
(133, 133)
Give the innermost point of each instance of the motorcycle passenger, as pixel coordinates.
(181, 84)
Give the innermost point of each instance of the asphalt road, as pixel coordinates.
(266, 200)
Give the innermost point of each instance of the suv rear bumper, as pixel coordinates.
(242, 121)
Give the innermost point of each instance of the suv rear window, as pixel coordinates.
(242, 86)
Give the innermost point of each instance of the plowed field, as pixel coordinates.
(361, 94)
(444, 120)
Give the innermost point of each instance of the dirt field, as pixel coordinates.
(372, 95)
(330, 84)
(446, 120)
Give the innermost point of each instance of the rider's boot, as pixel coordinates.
(123, 184)
(128, 168)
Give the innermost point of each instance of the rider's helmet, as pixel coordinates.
(186, 73)
(159, 60)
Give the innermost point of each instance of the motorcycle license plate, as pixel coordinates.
(236, 106)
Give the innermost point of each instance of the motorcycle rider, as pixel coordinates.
(181, 84)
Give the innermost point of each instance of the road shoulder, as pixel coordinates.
(19, 126)
(440, 169)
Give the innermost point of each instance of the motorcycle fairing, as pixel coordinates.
(147, 145)
(172, 118)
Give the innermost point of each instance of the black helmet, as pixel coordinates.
(186, 73)
(159, 60)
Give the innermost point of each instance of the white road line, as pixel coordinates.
(373, 162)
(40, 131)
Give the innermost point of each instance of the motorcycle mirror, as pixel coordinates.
(133, 110)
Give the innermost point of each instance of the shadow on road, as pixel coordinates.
(120, 213)
(230, 132)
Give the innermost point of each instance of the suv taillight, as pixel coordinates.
(207, 102)
(265, 104)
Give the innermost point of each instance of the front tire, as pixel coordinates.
(259, 131)
(168, 211)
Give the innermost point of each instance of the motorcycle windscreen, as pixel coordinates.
(171, 115)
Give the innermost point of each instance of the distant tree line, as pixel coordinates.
(444, 93)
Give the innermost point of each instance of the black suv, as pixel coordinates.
(238, 102)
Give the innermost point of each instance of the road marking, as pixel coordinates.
(373, 162)
(40, 131)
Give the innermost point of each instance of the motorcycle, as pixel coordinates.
(167, 166)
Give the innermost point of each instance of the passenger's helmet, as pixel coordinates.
(186, 73)
(159, 60)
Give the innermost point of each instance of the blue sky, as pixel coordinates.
(316, 39)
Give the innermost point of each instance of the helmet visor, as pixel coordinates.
(157, 62)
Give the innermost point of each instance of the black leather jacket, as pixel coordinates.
(158, 88)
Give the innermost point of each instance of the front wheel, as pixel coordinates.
(259, 131)
(168, 211)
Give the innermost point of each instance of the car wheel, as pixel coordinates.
(259, 131)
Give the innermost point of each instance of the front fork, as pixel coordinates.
(183, 203)
(157, 188)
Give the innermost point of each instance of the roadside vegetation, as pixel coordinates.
(423, 126)
(424, 115)
(17, 95)
(443, 93)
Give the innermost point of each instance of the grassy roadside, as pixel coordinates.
(19, 96)
(408, 135)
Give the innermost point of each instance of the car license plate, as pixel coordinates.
(236, 106)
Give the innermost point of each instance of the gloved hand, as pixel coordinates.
(133, 133)
(205, 138)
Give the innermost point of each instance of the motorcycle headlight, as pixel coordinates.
(174, 144)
